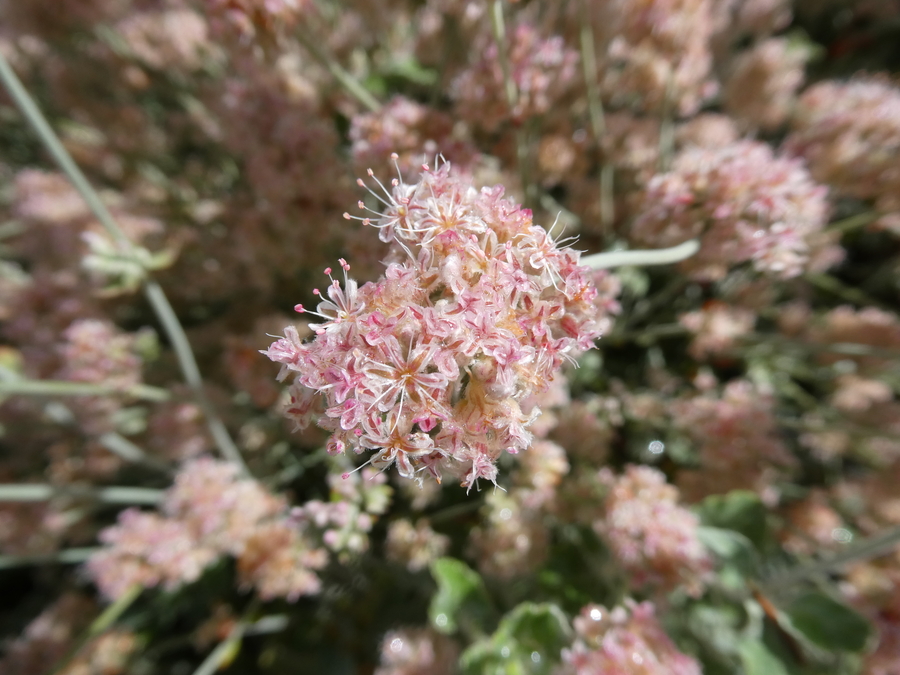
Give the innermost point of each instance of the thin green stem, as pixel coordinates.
(597, 116)
(191, 371)
(667, 126)
(662, 256)
(844, 348)
(124, 448)
(853, 222)
(99, 626)
(66, 388)
(498, 23)
(41, 492)
(228, 648)
(345, 79)
(152, 290)
(50, 140)
(868, 548)
(830, 284)
(70, 556)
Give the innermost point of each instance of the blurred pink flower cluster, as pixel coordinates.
(849, 134)
(626, 640)
(653, 537)
(743, 202)
(477, 309)
(540, 68)
(210, 511)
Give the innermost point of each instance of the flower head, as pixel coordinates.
(477, 309)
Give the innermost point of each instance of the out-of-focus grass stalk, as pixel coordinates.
(667, 126)
(871, 547)
(498, 23)
(853, 222)
(832, 285)
(69, 556)
(99, 626)
(227, 650)
(345, 79)
(65, 388)
(224, 652)
(152, 290)
(642, 258)
(41, 492)
(124, 448)
(597, 117)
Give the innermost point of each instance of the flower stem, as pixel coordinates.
(512, 98)
(40, 492)
(597, 117)
(345, 79)
(853, 222)
(68, 556)
(99, 626)
(66, 388)
(663, 256)
(152, 290)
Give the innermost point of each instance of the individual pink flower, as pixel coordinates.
(477, 309)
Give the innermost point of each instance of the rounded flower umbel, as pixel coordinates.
(477, 309)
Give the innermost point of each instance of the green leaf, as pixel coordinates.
(461, 596)
(411, 70)
(739, 510)
(736, 552)
(536, 627)
(724, 543)
(528, 641)
(828, 623)
(758, 660)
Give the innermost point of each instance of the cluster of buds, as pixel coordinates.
(478, 309)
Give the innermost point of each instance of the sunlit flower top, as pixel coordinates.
(477, 309)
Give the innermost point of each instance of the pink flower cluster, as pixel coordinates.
(345, 521)
(762, 89)
(849, 133)
(657, 53)
(737, 440)
(625, 641)
(249, 19)
(417, 133)
(97, 352)
(417, 651)
(541, 68)
(716, 328)
(745, 204)
(653, 537)
(209, 511)
(477, 309)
